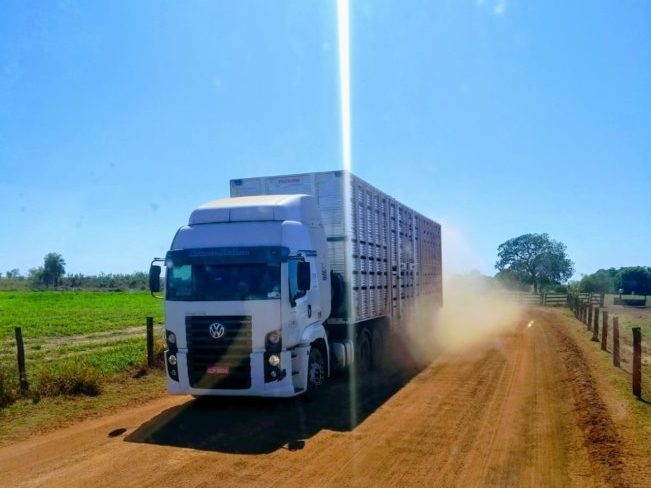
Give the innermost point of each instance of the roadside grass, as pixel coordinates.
(70, 377)
(25, 417)
(628, 318)
(78, 368)
(64, 313)
(78, 385)
(85, 353)
(8, 387)
(634, 318)
(617, 378)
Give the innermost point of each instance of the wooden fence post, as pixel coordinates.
(637, 362)
(585, 314)
(20, 356)
(590, 315)
(601, 300)
(616, 342)
(595, 328)
(150, 341)
(604, 331)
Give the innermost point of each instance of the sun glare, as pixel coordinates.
(343, 24)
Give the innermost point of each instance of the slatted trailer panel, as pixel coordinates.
(387, 254)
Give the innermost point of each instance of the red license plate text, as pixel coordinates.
(217, 369)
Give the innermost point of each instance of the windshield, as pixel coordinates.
(221, 282)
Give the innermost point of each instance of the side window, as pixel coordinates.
(292, 268)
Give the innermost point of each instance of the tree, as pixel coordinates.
(12, 273)
(603, 281)
(511, 281)
(535, 259)
(35, 275)
(54, 267)
(635, 279)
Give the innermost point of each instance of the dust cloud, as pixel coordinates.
(475, 312)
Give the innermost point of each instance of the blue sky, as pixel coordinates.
(496, 118)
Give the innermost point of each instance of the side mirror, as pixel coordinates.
(154, 278)
(303, 276)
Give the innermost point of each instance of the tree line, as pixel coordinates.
(530, 262)
(536, 262)
(630, 280)
(52, 275)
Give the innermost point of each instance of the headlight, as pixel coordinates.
(274, 360)
(274, 337)
(171, 337)
(172, 360)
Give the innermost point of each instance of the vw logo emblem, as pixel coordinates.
(216, 330)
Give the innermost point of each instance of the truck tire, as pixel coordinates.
(377, 348)
(364, 352)
(316, 371)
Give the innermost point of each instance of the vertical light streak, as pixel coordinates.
(343, 27)
(343, 24)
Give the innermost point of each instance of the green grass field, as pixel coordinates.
(63, 313)
(100, 335)
(85, 353)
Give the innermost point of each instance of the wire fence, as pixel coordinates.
(110, 351)
(616, 334)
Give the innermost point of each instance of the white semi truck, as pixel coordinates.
(270, 291)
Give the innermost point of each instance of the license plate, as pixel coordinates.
(217, 369)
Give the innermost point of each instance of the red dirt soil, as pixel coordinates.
(523, 410)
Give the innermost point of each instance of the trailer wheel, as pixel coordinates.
(364, 352)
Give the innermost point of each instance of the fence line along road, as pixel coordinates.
(585, 311)
(551, 299)
(21, 353)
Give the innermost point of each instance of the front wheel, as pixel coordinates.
(315, 371)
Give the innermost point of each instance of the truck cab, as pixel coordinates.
(247, 292)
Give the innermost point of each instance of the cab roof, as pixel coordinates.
(300, 208)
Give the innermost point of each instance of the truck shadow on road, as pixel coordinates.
(257, 426)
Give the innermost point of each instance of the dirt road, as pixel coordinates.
(525, 410)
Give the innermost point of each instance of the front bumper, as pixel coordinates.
(283, 387)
